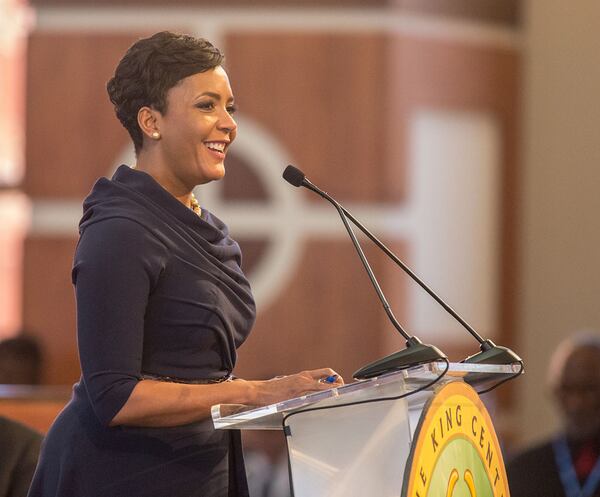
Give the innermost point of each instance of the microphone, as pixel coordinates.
(490, 353)
(415, 352)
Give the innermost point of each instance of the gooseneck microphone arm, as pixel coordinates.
(416, 352)
(415, 278)
(489, 351)
(342, 212)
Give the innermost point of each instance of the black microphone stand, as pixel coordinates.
(416, 352)
(490, 353)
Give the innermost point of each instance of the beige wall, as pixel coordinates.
(561, 179)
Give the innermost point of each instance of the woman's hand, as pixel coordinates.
(161, 403)
(288, 387)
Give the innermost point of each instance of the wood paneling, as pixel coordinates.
(324, 97)
(38, 415)
(211, 3)
(240, 182)
(456, 75)
(329, 316)
(73, 136)
(496, 11)
(49, 305)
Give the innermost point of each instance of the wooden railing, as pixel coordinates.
(33, 405)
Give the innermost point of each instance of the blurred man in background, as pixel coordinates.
(20, 364)
(19, 449)
(20, 361)
(569, 464)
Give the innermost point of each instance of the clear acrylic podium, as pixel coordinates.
(340, 449)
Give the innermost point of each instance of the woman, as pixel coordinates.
(162, 303)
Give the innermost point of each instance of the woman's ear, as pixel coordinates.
(148, 122)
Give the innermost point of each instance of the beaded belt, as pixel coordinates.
(199, 381)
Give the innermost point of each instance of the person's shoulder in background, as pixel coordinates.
(533, 473)
(19, 450)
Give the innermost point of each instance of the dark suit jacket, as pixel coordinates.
(19, 449)
(533, 473)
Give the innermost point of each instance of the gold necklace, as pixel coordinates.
(194, 205)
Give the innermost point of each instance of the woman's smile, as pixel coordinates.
(199, 109)
(217, 148)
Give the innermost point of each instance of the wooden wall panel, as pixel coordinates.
(329, 316)
(211, 3)
(496, 11)
(48, 305)
(458, 75)
(72, 133)
(324, 97)
(37, 414)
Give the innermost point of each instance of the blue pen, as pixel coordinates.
(330, 378)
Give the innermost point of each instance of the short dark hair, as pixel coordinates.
(152, 66)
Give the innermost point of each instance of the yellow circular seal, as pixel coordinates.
(455, 452)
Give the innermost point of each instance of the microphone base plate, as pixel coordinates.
(493, 354)
(413, 355)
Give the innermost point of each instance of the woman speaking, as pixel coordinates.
(162, 303)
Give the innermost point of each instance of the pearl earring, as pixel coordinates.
(155, 135)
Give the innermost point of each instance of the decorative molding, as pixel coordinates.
(205, 21)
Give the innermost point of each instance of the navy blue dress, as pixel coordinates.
(160, 294)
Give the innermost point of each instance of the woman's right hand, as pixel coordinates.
(282, 388)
